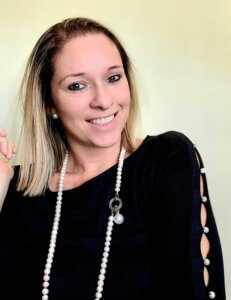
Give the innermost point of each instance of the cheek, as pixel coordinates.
(124, 94)
(66, 104)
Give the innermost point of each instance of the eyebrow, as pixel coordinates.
(82, 73)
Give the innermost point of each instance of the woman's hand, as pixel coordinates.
(7, 149)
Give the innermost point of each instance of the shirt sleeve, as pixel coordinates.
(180, 174)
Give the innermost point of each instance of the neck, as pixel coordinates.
(91, 160)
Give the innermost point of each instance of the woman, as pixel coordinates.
(93, 212)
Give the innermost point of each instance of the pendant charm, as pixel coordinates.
(118, 218)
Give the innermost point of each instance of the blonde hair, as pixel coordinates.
(43, 140)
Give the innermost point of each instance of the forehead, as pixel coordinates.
(88, 52)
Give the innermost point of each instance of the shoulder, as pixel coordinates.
(171, 146)
(168, 142)
(172, 138)
(165, 143)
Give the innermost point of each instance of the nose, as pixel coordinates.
(102, 98)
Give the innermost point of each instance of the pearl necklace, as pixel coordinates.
(115, 205)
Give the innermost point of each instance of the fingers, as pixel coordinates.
(7, 148)
(9, 154)
(2, 133)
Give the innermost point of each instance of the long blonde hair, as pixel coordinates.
(43, 140)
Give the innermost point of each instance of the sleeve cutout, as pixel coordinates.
(210, 279)
(203, 215)
(204, 244)
(206, 276)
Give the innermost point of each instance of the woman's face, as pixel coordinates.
(90, 91)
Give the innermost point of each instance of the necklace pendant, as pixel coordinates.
(118, 218)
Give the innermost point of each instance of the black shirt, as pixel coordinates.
(156, 251)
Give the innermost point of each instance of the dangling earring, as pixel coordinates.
(55, 116)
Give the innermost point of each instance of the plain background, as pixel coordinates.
(182, 53)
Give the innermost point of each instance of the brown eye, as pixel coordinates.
(114, 78)
(75, 87)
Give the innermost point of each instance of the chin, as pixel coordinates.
(107, 142)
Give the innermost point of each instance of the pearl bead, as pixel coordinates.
(48, 266)
(51, 250)
(111, 222)
(108, 238)
(206, 262)
(59, 202)
(54, 234)
(45, 284)
(47, 271)
(206, 229)
(109, 228)
(45, 291)
(107, 243)
(57, 217)
(52, 244)
(98, 295)
(99, 289)
(106, 249)
(204, 199)
(119, 219)
(203, 170)
(101, 277)
(104, 260)
(103, 265)
(108, 232)
(212, 295)
(100, 283)
(58, 209)
(46, 277)
(102, 271)
(44, 297)
(55, 224)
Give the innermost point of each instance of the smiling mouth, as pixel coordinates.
(102, 121)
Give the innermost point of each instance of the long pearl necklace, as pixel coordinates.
(115, 205)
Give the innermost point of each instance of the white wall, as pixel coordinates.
(182, 53)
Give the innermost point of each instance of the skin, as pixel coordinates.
(7, 151)
(100, 92)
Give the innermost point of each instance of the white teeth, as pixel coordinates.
(103, 120)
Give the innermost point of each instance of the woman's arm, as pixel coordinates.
(194, 252)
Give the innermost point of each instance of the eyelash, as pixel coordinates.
(72, 87)
(114, 77)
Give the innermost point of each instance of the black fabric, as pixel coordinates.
(155, 253)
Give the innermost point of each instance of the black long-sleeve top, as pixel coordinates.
(154, 254)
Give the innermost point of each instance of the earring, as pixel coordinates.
(55, 116)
